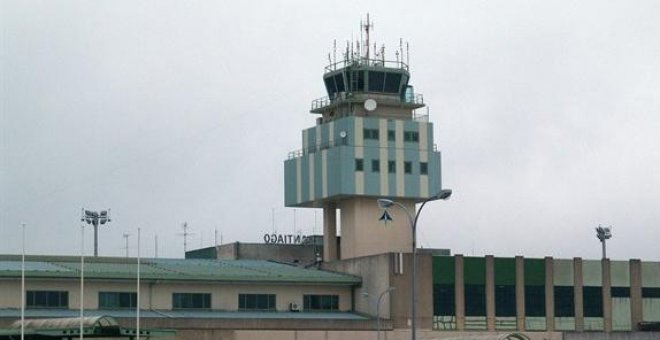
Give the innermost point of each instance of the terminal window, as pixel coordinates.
(423, 168)
(114, 300)
(592, 298)
(46, 299)
(321, 302)
(407, 167)
(191, 301)
(564, 301)
(359, 164)
(375, 165)
(370, 133)
(534, 300)
(256, 302)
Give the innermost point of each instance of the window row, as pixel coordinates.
(391, 166)
(408, 136)
(120, 300)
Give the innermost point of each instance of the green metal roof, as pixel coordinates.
(236, 271)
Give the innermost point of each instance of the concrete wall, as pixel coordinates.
(362, 234)
(159, 295)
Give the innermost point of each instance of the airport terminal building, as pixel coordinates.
(370, 141)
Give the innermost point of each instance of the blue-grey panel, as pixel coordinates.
(304, 176)
(371, 178)
(290, 185)
(318, 175)
(412, 180)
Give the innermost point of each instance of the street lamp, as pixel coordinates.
(380, 297)
(604, 234)
(384, 203)
(95, 218)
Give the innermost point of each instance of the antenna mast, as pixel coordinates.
(185, 236)
(367, 27)
(126, 235)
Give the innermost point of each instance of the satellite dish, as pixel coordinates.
(342, 134)
(370, 105)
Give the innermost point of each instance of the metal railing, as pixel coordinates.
(319, 103)
(313, 148)
(363, 62)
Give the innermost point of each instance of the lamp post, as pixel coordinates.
(380, 297)
(604, 234)
(95, 218)
(384, 203)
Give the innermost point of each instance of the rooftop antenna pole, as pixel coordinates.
(401, 48)
(137, 308)
(334, 52)
(215, 237)
(272, 217)
(156, 245)
(408, 54)
(366, 27)
(185, 237)
(126, 235)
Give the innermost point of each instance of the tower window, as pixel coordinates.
(370, 133)
(375, 165)
(410, 136)
(407, 167)
(391, 166)
(390, 135)
(423, 168)
(359, 164)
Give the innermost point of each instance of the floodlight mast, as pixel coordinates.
(95, 218)
(604, 234)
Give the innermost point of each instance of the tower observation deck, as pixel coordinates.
(368, 143)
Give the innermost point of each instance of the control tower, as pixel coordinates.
(369, 142)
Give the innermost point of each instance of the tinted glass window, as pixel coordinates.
(117, 300)
(592, 299)
(376, 81)
(423, 168)
(475, 300)
(263, 302)
(375, 165)
(359, 164)
(391, 166)
(564, 301)
(505, 300)
(443, 299)
(321, 302)
(330, 86)
(620, 292)
(191, 300)
(339, 81)
(392, 81)
(534, 300)
(46, 299)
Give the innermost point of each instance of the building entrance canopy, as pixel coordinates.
(69, 328)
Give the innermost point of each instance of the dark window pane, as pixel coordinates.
(564, 301)
(375, 165)
(391, 135)
(359, 164)
(475, 300)
(47, 299)
(407, 167)
(392, 82)
(648, 292)
(505, 300)
(339, 81)
(321, 302)
(443, 300)
(330, 86)
(256, 302)
(391, 166)
(357, 81)
(592, 299)
(423, 168)
(620, 292)
(376, 81)
(534, 300)
(191, 300)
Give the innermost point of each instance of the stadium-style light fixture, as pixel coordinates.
(95, 218)
(604, 234)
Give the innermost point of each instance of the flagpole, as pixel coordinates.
(23, 285)
(137, 313)
(82, 276)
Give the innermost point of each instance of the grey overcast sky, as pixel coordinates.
(547, 114)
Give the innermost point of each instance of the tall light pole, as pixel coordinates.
(604, 234)
(380, 297)
(95, 218)
(384, 203)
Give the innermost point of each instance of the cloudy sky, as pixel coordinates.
(547, 114)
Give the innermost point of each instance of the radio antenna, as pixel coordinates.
(367, 27)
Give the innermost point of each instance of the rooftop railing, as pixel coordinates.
(319, 103)
(314, 148)
(362, 62)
